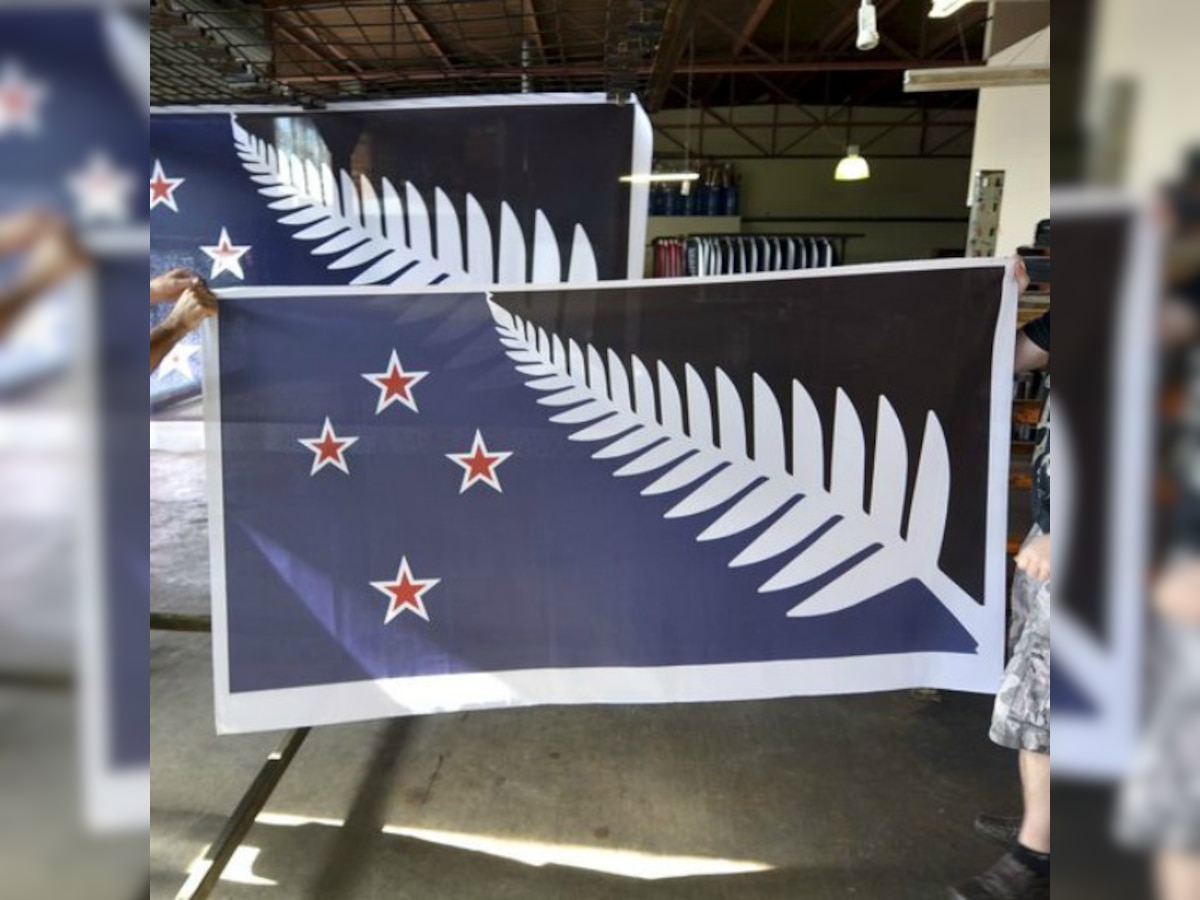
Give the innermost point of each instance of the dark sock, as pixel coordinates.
(1031, 859)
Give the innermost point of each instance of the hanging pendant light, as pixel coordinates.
(852, 167)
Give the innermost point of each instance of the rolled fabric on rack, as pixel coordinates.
(698, 256)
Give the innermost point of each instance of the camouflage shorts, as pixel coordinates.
(1021, 717)
(1159, 806)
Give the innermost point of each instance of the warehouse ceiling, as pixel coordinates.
(671, 53)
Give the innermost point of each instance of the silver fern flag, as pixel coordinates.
(499, 191)
(630, 493)
(1103, 473)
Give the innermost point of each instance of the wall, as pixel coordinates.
(1012, 133)
(1153, 44)
(911, 207)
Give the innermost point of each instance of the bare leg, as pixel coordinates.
(1035, 787)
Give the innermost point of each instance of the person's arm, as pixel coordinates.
(53, 252)
(1033, 345)
(194, 306)
(163, 337)
(23, 230)
(1030, 357)
(1179, 320)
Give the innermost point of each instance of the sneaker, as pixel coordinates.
(1007, 879)
(1002, 830)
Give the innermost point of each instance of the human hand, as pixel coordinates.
(195, 305)
(1177, 593)
(170, 285)
(51, 254)
(1021, 274)
(55, 254)
(1034, 558)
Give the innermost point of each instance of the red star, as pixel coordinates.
(19, 101)
(479, 464)
(162, 188)
(405, 593)
(395, 385)
(226, 256)
(14, 102)
(329, 449)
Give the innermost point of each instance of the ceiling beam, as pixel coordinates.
(296, 40)
(751, 27)
(421, 34)
(841, 36)
(895, 46)
(831, 121)
(739, 44)
(728, 123)
(733, 33)
(957, 136)
(674, 140)
(956, 38)
(308, 24)
(677, 29)
(593, 70)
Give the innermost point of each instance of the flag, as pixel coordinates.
(499, 190)
(73, 96)
(625, 493)
(1104, 387)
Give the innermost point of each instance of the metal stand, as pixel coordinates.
(31, 679)
(202, 883)
(238, 825)
(180, 622)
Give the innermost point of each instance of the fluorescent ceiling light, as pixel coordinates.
(852, 167)
(972, 78)
(648, 177)
(943, 8)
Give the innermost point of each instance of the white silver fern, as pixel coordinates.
(803, 529)
(393, 238)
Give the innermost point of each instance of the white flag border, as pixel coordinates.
(1101, 746)
(380, 698)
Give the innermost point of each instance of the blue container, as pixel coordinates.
(716, 201)
(733, 200)
(678, 202)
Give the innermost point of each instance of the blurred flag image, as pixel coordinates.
(74, 770)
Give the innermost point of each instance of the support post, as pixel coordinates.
(204, 879)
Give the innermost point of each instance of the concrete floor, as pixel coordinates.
(868, 796)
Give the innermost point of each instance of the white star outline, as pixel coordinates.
(403, 574)
(226, 256)
(159, 176)
(338, 462)
(470, 479)
(101, 190)
(178, 360)
(378, 379)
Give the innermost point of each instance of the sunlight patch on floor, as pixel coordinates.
(240, 870)
(609, 860)
(627, 863)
